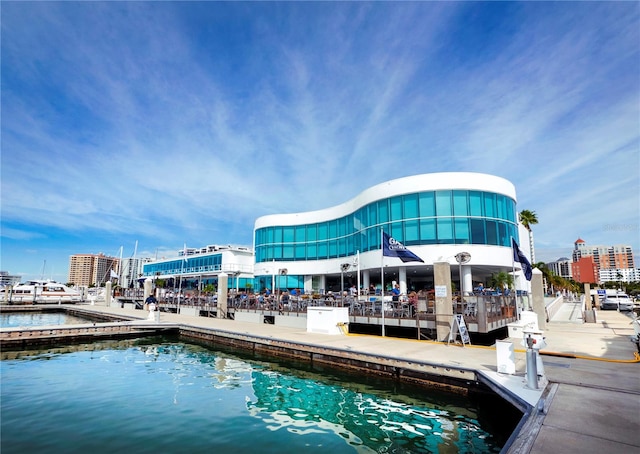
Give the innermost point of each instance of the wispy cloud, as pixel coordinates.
(179, 122)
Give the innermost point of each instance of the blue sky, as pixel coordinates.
(173, 123)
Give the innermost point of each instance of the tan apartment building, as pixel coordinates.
(92, 269)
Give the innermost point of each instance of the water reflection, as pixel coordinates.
(220, 401)
(364, 420)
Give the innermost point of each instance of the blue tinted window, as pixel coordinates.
(503, 239)
(333, 230)
(383, 211)
(301, 236)
(287, 252)
(489, 205)
(361, 219)
(461, 228)
(475, 203)
(410, 206)
(492, 232)
(349, 224)
(443, 204)
(312, 252)
(460, 203)
(333, 249)
(288, 234)
(511, 210)
(396, 208)
(477, 231)
(512, 232)
(373, 214)
(342, 226)
(277, 234)
(373, 235)
(411, 232)
(427, 204)
(396, 231)
(445, 230)
(300, 252)
(323, 231)
(312, 232)
(363, 241)
(323, 250)
(428, 230)
(351, 247)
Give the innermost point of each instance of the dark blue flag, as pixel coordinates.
(518, 256)
(393, 248)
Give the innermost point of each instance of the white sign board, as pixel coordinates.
(459, 326)
(441, 291)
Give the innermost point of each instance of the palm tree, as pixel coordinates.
(546, 274)
(501, 281)
(527, 219)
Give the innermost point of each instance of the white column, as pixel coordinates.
(402, 277)
(366, 280)
(107, 293)
(308, 284)
(223, 283)
(147, 288)
(467, 281)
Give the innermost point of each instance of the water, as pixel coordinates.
(163, 395)
(31, 319)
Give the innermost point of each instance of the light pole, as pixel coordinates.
(343, 267)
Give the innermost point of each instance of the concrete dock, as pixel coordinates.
(588, 400)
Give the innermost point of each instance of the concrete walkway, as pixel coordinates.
(588, 400)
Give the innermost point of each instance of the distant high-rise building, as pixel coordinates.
(561, 267)
(130, 271)
(612, 263)
(92, 269)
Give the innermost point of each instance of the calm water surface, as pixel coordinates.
(30, 319)
(163, 396)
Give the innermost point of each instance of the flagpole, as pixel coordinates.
(382, 276)
(358, 262)
(120, 265)
(184, 259)
(513, 273)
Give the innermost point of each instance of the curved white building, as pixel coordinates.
(436, 216)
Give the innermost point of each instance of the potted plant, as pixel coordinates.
(503, 281)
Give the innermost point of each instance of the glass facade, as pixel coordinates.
(433, 217)
(195, 264)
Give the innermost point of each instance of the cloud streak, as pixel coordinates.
(184, 122)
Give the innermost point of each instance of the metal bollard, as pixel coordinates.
(532, 365)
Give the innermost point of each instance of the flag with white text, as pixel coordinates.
(393, 248)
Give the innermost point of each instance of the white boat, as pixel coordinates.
(40, 292)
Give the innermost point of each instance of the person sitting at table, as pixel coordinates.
(413, 303)
(330, 298)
